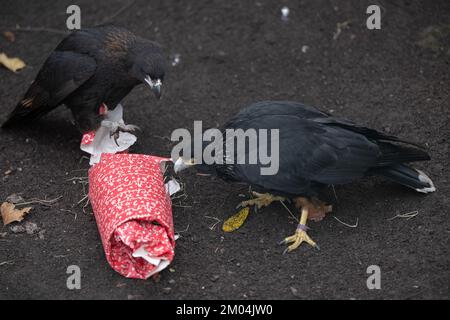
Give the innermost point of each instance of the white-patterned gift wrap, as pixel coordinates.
(133, 212)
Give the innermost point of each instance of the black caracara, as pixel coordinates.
(89, 68)
(315, 150)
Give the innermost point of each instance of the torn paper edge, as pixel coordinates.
(159, 263)
(103, 141)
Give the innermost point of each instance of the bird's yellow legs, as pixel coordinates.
(300, 234)
(314, 210)
(260, 200)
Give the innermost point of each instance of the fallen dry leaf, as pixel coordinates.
(236, 221)
(12, 64)
(10, 214)
(11, 37)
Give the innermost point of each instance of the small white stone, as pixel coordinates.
(305, 48)
(284, 13)
(176, 60)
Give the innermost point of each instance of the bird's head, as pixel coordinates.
(194, 157)
(191, 157)
(148, 66)
(182, 164)
(201, 168)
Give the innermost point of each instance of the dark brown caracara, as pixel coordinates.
(315, 150)
(89, 68)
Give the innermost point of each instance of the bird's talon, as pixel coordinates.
(240, 205)
(297, 239)
(115, 135)
(130, 128)
(260, 200)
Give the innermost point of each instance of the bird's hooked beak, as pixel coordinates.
(181, 164)
(155, 85)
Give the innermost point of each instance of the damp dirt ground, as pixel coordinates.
(233, 53)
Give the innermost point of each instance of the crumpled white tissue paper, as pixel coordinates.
(104, 142)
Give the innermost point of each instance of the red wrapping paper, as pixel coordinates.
(133, 213)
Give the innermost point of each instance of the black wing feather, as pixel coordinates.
(316, 149)
(62, 73)
(309, 153)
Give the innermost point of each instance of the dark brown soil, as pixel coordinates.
(234, 53)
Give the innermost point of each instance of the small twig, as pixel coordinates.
(162, 137)
(215, 224)
(202, 174)
(86, 204)
(83, 158)
(180, 206)
(65, 32)
(407, 215)
(47, 203)
(334, 191)
(77, 179)
(84, 188)
(346, 224)
(165, 169)
(183, 195)
(118, 12)
(339, 27)
(290, 212)
(182, 231)
(84, 198)
(6, 262)
(37, 29)
(61, 256)
(74, 213)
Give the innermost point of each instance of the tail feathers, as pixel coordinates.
(408, 176)
(392, 154)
